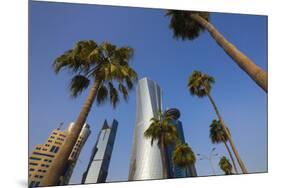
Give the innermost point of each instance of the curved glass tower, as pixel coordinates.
(146, 159)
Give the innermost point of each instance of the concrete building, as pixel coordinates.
(43, 155)
(145, 161)
(97, 169)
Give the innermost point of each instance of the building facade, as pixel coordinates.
(145, 158)
(42, 156)
(97, 169)
(175, 171)
(72, 160)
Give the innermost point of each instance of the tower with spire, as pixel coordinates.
(97, 169)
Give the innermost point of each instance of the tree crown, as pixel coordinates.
(217, 133)
(225, 165)
(183, 26)
(200, 84)
(162, 126)
(183, 155)
(88, 61)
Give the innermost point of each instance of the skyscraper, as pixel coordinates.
(146, 159)
(43, 155)
(97, 169)
(174, 170)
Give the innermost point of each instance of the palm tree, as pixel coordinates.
(218, 135)
(162, 130)
(190, 24)
(183, 156)
(107, 66)
(225, 165)
(200, 84)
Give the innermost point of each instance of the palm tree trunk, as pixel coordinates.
(245, 63)
(59, 162)
(240, 162)
(231, 157)
(163, 159)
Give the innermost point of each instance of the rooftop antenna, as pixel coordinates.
(60, 125)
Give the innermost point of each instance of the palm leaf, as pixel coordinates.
(78, 84)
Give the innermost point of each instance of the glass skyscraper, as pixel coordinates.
(97, 169)
(145, 159)
(175, 171)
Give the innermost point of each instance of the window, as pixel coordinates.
(34, 164)
(44, 165)
(46, 160)
(60, 139)
(50, 141)
(37, 183)
(31, 169)
(35, 158)
(43, 154)
(32, 184)
(54, 149)
(72, 155)
(38, 148)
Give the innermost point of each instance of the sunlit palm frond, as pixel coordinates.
(183, 156)
(225, 165)
(200, 84)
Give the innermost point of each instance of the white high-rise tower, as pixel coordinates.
(146, 159)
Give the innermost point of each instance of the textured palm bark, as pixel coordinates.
(231, 157)
(163, 158)
(56, 169)
(245, 63)
(240, 162)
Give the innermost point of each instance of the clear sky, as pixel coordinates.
(56, 27)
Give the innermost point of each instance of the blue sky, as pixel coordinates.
(56, 27)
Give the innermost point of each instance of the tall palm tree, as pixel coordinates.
(218, 135)
(107, 66)
(200, 84)
(225, 166)
(162, 130)
(183, 156)
(190, 24)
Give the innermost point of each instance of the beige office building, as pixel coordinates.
(43, 155)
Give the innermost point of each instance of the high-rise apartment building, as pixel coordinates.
(43, 155)
(97, 169)
(175, 171)
(146, 158)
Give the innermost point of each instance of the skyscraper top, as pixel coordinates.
(174, 112)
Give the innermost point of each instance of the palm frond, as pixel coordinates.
(183, 26)
(102, 95)
(78, 84)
